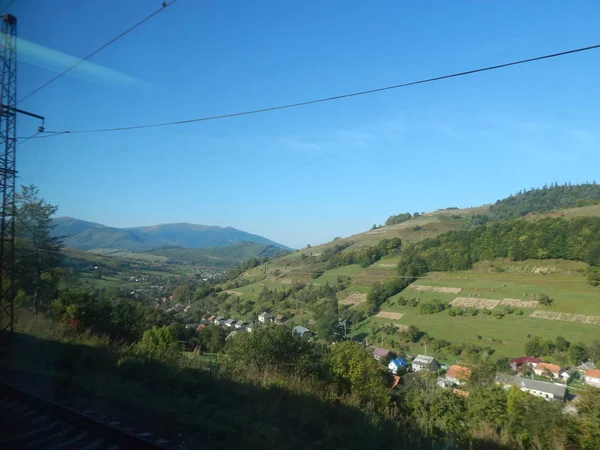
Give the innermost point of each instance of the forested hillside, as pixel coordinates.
(84, 235)
(545, 199)
(228, 256)
(577, 239)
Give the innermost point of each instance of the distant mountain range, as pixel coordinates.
(84, 235)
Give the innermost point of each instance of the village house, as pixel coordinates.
(191, 325)
(381, 354)
(265, 317)
(458, 374)
(545, 390)
(211, 318)
(543, 369)
(232, 334)
(219, 320)
(583, 367)
(250, 327)
(280, 318)
(592, 377)
(240, 324)
(421, 363)
(229, 323)
(397, 365)
(302, 332)
(518, 363)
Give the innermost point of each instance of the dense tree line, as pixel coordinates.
(564, 351)
(398, 218)
(367, 255)
(119, 319)
(545, 199)
(575, 239)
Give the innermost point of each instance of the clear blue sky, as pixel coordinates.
(305, 175)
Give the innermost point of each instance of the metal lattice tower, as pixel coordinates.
(8, 143)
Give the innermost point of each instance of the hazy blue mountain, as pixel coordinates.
(88, 235)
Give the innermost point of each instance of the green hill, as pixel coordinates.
(88, 235)
(227, 256)
(546, 250)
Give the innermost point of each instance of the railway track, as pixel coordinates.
(28, 421)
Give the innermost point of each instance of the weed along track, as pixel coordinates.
(30, 421)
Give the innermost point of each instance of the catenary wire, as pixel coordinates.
(113, 40)
(336, 97)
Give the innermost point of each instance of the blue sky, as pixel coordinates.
(304, 175)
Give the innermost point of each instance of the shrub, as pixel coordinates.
(545, 299)
(159, 344)
(413, 302)
(431, 307)
(498, 315)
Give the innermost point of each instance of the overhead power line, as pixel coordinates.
(336, 97)
(99, 49)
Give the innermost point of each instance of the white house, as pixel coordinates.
(547, 391)
(421, 363)
(397, 365)
(592, 377)
(240, 324)
(265, 317)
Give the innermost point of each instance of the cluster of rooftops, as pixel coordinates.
(457, 375)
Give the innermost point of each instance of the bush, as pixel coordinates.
(158, 344)
(498, 315)
(472, 311)
(431, 307)
(486, 312)
(545, 299)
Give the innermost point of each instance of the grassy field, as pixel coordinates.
(562, 280)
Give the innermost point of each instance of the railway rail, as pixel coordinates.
(28, 421)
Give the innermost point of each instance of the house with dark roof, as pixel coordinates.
(458, 374)
(547, 391)
(381, 354)
(397, 365)
(280, 318)
(517, 364)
